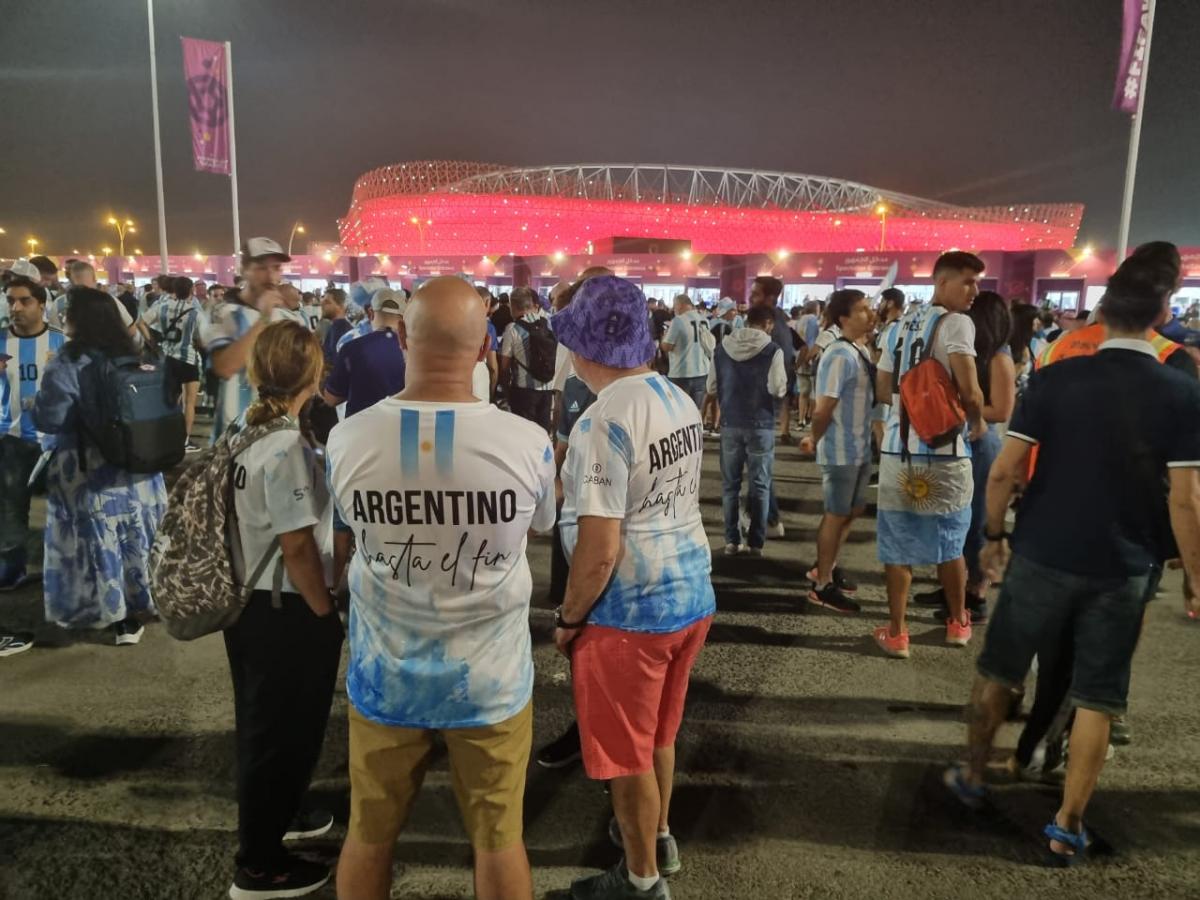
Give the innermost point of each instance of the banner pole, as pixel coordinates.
(237, 228)
(158, 169)
(1135, 139)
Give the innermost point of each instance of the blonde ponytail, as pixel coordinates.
(286, 360)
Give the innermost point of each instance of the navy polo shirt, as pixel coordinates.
(367, 369)
(1107, 428)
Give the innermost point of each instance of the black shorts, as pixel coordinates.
(1041, 608)
(181, 372)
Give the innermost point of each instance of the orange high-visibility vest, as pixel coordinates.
(1085, 342)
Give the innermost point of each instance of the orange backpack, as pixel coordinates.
(929, 401)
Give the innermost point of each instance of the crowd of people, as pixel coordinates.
(405, 445)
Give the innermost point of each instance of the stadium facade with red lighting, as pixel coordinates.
(448, 208)
(707, 231)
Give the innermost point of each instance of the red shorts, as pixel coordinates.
(630, 689)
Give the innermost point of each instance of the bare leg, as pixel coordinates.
(1089, 745)
(899, 580)
(830, 535)
(664, 773)
(636, 802)
(503, 874)
(364, 870)
(985, 713)
(953, 576)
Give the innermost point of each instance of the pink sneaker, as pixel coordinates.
(893, 646)
(957, 635)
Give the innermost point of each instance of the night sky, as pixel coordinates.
(967, 101)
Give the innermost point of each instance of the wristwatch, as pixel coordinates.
(993, 538)
(560, 622)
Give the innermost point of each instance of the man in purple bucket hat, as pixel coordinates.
(639, 599)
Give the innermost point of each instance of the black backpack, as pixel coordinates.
(542, 349)
(129, 410)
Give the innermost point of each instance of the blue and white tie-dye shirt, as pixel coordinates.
(688, 356)
(635, 456)
(843, 373)
(21, 376)
(440, 498)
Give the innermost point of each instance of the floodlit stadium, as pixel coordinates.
(437, 207)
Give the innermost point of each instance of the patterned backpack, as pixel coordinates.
(192, 563)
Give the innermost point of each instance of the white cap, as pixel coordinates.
(259, 247)
(385, 300)
(26, 269)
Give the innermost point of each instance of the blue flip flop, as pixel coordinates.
(1079, 842)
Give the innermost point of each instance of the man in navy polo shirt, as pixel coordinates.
(1095, 524)
(371, 367)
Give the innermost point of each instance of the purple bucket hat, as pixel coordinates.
(607, 323)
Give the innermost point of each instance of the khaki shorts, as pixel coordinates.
(487, 766)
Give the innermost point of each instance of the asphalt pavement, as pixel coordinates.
(809, 764)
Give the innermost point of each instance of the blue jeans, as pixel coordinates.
(694, 388)
(983, 453)
(754, 450)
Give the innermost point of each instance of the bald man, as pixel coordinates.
(439, 490)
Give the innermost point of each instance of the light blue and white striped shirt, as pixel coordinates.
(229, 322)
(843, 373)
(178, 321)
(688, 357)
(22, 375)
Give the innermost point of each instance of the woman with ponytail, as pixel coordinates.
(285, 649)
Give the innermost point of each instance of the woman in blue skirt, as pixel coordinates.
(100, 519)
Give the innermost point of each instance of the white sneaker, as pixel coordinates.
(733, 549)
(12, 644)
(128, 632)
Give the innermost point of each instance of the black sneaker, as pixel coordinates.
(930, 598)
(832, 598)
(128, 632)
(615, 885)
(665, 846)
(309, 825)
(976, 606)
(298, 879)
(844, 583)
(12, 644)
(563, 751)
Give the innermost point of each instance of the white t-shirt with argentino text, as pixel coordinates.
(635, 455)
(440, 497)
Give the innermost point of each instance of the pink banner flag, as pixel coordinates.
(208, 107)
(1131, 73)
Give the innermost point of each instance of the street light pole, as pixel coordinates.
(297, 227)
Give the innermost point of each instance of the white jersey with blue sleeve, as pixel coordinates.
(688, 356)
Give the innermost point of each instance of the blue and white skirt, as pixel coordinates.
(99, 528)
(924, 509)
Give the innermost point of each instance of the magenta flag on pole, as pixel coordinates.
(208, 99)
(1131, 72)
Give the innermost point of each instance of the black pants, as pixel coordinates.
(536, 406)
(284, 664)
(1051, 713)
(560, 569)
